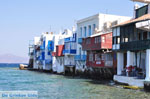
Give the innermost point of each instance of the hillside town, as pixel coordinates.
(101, 46)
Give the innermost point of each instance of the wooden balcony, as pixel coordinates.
(135, 45)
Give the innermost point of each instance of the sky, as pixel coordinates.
(22, 20)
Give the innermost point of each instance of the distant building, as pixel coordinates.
(69, 52)
(36, 54)
(58, 54)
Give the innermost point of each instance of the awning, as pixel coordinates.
(144, 25)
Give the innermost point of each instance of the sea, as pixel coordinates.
(52, 86)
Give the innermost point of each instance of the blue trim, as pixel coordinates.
(48, 61)
(43, 55)
(80, 57)
(67, 39)
(50, 46)
(79, 40)
(49, 53)
(69, 51)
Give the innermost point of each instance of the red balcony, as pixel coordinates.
(59, 50)
(97, 59)
(53, 53)
(98, 42)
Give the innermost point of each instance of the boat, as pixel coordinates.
(23, 67)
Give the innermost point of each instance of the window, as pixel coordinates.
(97, 57)
(90, 30)
(80, 31)
(73, 45)
(84, 31)
(144, 35)
(97, 40)
(108, 57)
(114, 40)
(67, 46)
(141, 11)
(139, 36)
(91, 57)
(114, 31)
(102, 56)
(126, 39)
(148, 35)
(88, 41)
(80, 51)
(118, 40)
(103, 39)
(94, 26)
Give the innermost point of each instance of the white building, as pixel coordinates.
(99, 23)
(48, 48)
(55, 40)
(69, 52)
(58, 57)
(36, 52)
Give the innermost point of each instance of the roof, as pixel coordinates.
(143, 1)
(98, 34)
(97, 16)
(88, 18)
(142, 18)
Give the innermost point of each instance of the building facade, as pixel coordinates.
(89, 33)
(131, 41)
(58, 54)
(69, 53)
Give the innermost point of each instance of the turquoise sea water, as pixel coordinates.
(50, 86)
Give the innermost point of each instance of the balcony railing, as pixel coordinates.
(80, 57)
(67, 39)
(42, 48)
(48, 61)
(69, 51)
(80, 40)
(50, 48)
(135, 45)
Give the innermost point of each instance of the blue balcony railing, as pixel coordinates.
(83, 57)
(42, 48)
(69, 51)
(67, 39)
(80, 57)
(80, 40)
(48, 61)
(65, 51)
(77, 57)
